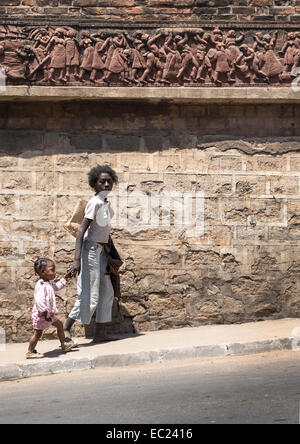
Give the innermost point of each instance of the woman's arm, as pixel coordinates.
(75, 269)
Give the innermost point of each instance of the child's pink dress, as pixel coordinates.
(44, 300)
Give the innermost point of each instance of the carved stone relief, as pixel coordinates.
(190, 57)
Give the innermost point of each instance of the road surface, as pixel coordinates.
(256, 389)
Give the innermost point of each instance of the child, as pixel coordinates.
(44, 309)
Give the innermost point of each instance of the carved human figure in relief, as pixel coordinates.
(231, 44)
(203, 44)
(173, 59)
(42, 60)
(272, 65)
(72, 55)
(137, 55)
(155, 59)
(99, 56)
(86, 44)
(12, 59)
(290, 53)
(116, 62)
(248, 64)
(57, 50)
(189, 60)
(297, 53)
(222, 60)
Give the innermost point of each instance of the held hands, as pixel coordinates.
(68, 275)
(74, 270)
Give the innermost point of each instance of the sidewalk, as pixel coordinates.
(152, 347)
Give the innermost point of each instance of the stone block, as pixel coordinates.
(282, 185)
(70, 161)
(266, 211)
(212, 185)
(134, 161)
(8, 205)
(269, 164)
(295, 163)
(168, 162)
(35, 207)
(250, 185)
(85, 3)
(74, 183)
(9, 2)
(8, 162)
(16, 142)
(16, 181)
(226, 163)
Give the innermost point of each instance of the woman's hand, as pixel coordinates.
(68, 275)
(75, 269)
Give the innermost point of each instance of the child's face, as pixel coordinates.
(48, 273)
(104, 183)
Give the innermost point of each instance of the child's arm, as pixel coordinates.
(59, 285)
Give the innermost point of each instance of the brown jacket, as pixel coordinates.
(114, 263)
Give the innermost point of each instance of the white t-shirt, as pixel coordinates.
(100, 212)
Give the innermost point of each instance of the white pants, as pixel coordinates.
(94, 288)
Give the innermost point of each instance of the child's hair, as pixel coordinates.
(40, 264)
(99, 169)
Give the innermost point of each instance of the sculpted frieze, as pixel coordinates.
(187, 57)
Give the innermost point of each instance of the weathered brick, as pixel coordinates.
(85, 3)
(284, 185)
(10, 2)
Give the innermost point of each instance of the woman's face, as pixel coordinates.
(104, 183)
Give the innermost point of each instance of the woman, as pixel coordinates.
(95, 290)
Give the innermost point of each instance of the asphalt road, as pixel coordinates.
(257, 389)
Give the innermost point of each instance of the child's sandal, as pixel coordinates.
(34, 355)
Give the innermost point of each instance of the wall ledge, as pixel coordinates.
(194, 95)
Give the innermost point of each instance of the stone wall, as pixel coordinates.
(245, 159)
(163, 11)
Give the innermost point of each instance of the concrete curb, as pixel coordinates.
(48, 366)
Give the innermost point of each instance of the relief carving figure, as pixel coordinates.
(116, 62)
(248, 64)
(72, 55)
(88, 55)
(272, 67)
(173, 59)
(203, 40)
(11, 59)
(222, 60)
(189, 60)
(99, 55)
(155, 59)
(56, 47)
(137, 55)
(231, 43)
(42, 60)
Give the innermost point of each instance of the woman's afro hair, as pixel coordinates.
(99, 169)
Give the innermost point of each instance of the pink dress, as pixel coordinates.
(44, 300)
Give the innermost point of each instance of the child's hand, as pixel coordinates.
(48, 317)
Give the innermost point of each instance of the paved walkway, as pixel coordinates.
(153, 347)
